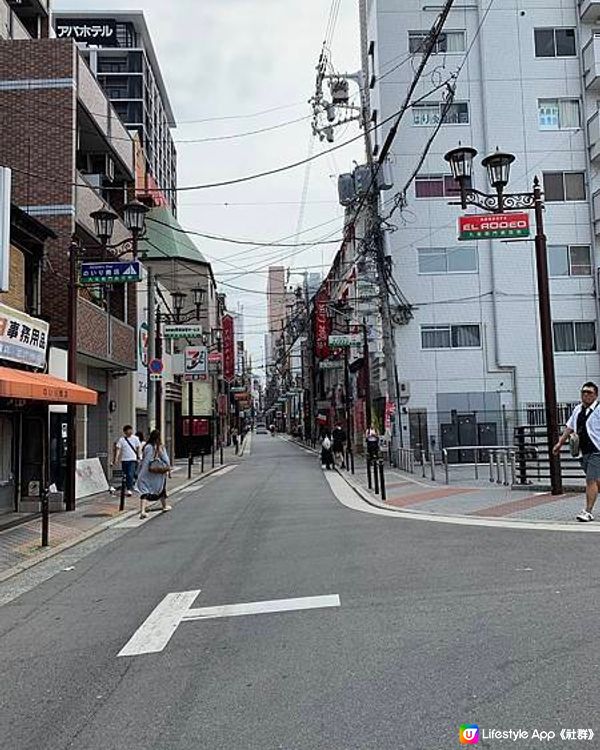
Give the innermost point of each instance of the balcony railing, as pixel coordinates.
(591, 63)
(88, 200)
(589, 10)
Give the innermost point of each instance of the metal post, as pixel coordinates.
(505, 467)
(546, 340)
(491, 454)
(221, 454)
(375, 476)
(382, 480)
(369, 480)
(212, 451)
(45, 502)
(446, 467)
(352, 462)
(122, 494)
(432, 462)
(497, 458)
(202, 463)
(513, 468)
(72, 376)
(158, 354)
(151, 305)
(367, 366)
(190, 464)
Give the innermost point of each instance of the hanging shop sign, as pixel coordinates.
(23, 339)
(177, 331)
(98, 31)
(228, 344)
(322, 325)
(110, 273)
(215, 358)
(493, 226)
(331, 364)
(196, 363)
(344, 340)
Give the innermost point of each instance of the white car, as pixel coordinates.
(261, 429)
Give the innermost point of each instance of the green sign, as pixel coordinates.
(110, 273)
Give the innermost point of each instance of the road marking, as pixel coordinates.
(225, 470)
(156, 631)
(194, 488)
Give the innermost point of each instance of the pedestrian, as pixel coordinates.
(372, 439)
(152, 479)
(128, 450)
(235, 440)
(140, 436)
(583, 432)
(338, 437)
(327, 461)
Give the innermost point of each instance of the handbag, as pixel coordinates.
(574, 445)
(158, 466)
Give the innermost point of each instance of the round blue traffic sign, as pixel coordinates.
(156, 366)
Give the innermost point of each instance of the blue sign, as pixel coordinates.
(156, 366)
(111, 273)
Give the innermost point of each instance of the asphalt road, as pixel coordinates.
(439, 625)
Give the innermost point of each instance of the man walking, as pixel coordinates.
(128, 447)
(584, 423)
(338, 437)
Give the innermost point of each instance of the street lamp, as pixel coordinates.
(178, 302)
(104, 225)
(198, 294)
(134, 216)
(498, 169)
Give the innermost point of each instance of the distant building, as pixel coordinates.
(276, 302)
(27, 19)
(122, 57)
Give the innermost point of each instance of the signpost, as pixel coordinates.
(110, 273)
(493, 226)
(155, 368)
(182, 331)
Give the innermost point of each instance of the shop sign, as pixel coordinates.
(228, 348)
(322, 325)
(215, 357)
(176, 331)
(344, 340)
(493, 226)
(98, 31)
(331, 364)
(241, 396)
(196, 363)
(110, 273)
(23, 339)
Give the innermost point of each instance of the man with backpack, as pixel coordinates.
(128, 448)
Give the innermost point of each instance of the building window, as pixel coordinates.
(372, 76)
(575, 337)
(555, 42)
(559, 114)
(569, 260)
(448, 42)
(463, 336)
(462, 259)
(426, 114)
(437, 186)
(564, 186)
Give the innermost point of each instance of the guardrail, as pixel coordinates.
(502, 462)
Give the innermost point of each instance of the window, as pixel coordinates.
(462, 259)
(372, 76)
(464, 336)
(426, 114)
(558, 114)
(448, 42)
(564, 186)
(574, 336)
(554, 42)
(437, 186)
(569, 260)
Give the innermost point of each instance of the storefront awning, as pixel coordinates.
(34, 386)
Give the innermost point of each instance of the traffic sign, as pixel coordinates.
(493, 226)
(110, 273)
(156, 366)
(154, 376)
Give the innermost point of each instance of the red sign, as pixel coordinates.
(322, 325)
(215, 357)
(222, 404)
(228, 348)
(493, 226)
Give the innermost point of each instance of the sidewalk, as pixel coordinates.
(20, 546)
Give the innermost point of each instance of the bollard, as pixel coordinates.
(505, 467)
(432, 461)
(212, 451)
(221, 454)
(369, 480)
(351, 462)
(190, 464)
(375, 477)
(45, 517)
(122, 495)
(382, 479)
(498, 479)
(202, 463)
(491, 466)
(513, 468)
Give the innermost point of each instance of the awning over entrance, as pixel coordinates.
(33, 386)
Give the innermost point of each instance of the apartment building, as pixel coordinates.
(529, 82)
(120, 53)
(24, 19)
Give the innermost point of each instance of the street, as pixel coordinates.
(438, 625)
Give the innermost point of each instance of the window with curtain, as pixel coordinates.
(558, 114)
(450, 42)
(459, 336)
(437, 186)
(575, 336)
(564, 186)
(569, 260)
(443, 260)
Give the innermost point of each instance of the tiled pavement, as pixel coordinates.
(21, 545)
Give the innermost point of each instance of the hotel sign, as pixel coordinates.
(493, 226)
(23, 339)
(98, 31)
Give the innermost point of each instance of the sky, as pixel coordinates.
(232, 59)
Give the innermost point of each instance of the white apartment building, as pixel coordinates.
(529, 85)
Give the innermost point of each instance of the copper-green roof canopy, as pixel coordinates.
(166, 240)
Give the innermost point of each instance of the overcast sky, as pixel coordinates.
(230, 58)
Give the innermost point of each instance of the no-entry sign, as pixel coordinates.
(493, 226)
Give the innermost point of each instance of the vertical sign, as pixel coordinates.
(322, 325)
(228, 349)
(196, 363)
(5, 181)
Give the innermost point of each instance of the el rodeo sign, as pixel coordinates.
(492, 226)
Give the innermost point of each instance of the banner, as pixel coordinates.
(196, 363)
(322, 325)
(23, 339)
(228, 348)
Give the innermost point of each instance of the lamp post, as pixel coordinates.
(498, 169)
(104, 222)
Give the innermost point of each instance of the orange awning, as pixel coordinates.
(35, 386)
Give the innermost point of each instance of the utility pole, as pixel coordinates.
(72, 376)
(151, 303)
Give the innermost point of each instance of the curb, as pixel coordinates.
(53, 551)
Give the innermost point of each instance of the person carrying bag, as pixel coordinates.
(152, 479)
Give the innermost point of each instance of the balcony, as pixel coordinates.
(591, 63)
(589, 10)
(87, 200)
(593, 129)
(111, 342)
(596, 211)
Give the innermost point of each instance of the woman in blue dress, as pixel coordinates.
(152, 477)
